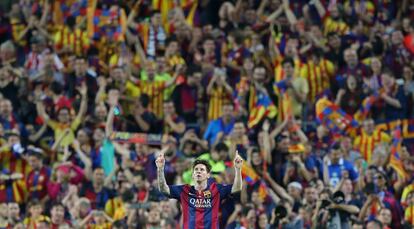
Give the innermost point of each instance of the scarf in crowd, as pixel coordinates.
(155, 37)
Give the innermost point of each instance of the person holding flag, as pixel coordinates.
(200, 203)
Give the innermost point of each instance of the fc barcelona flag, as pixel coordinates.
(334, 118)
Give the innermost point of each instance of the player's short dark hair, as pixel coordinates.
(203, 162)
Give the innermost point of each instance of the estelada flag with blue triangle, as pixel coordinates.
(263, 108)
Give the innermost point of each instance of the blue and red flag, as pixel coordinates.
(334, 118)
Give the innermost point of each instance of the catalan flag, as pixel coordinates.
(249, 174)
(263, 108)
(395, 160)
(251, 177)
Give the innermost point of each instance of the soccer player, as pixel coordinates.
(200, 203)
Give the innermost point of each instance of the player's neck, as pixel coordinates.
(200, 186)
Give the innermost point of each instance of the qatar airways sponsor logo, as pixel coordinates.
(200, 203)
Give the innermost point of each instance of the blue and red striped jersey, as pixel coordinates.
(200, 208)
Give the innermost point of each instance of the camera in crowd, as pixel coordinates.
(337, 198)
(280, 212)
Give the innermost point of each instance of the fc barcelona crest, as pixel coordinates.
(207, 194)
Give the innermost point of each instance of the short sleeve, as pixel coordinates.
(224, 190)
(175, 191)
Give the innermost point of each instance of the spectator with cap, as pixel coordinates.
(295, 167)
(64, 127)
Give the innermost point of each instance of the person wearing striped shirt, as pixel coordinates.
(155, 89)
(332, 19)
(219, 92)
(71, 39)
(369, 138)
(318, 71)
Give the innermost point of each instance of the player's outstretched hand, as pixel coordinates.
(160, 162)
(238, 161)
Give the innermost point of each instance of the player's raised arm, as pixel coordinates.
(162, 183)
(237, 184)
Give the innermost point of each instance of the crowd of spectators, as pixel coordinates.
(209, 77)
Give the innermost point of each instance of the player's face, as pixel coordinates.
(200, 173)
